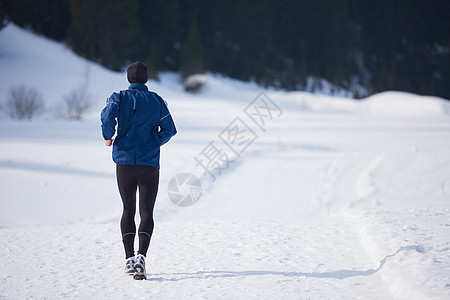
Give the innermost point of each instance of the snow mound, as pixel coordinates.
(51, 68)
(405, 104)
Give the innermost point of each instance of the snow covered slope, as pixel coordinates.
(331, 198)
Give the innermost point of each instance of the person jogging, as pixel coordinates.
(144, 124)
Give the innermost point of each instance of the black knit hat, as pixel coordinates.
(137, 72)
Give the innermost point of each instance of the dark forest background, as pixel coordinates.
(378, 44)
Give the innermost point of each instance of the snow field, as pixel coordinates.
(336, 199)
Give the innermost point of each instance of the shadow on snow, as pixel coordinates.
(39, 167)
(339, 274)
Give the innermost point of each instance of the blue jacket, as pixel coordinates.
(144, 124)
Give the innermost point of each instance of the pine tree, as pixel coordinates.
(191, 52)
(104, 31)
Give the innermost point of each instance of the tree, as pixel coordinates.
(24, 103)
(48, 17)
(76, 103)
(2, 15)
(105, 31)
(191, 53)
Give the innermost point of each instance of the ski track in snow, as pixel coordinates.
(336, 199)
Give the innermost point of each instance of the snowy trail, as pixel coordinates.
(363, 190)
(298, 220)
(207, 260)
(199, 259)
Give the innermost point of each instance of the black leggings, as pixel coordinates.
(129, 178)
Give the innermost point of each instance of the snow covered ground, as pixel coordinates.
(330, 198)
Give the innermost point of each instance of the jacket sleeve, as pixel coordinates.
(109, 115)
(166, 124)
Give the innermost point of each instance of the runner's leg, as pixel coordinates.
(127, 183)
(148, 181)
